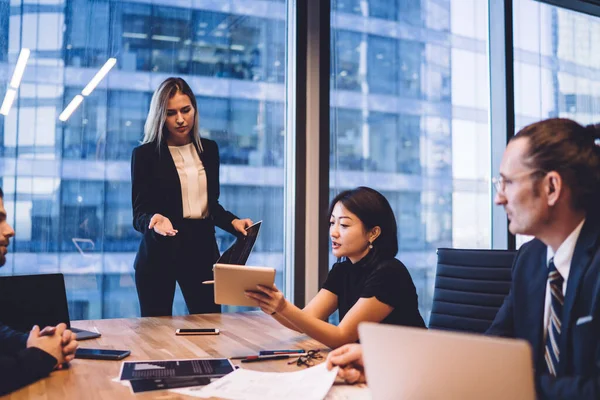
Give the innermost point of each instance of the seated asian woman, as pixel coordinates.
(367, 284)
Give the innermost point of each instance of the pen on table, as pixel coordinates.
(268, 358)
(273, 352)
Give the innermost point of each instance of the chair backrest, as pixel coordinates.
(470, 286)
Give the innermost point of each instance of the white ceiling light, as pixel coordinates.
(20, 68)
(134, 35)
(99, 76)
(165, 38)
(9, 97)
(15, 81)
(70, 108)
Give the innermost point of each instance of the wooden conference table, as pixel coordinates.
(154, 339)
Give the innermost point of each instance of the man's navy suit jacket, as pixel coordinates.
(521, 316)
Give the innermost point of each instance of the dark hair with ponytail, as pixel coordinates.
(572, 150)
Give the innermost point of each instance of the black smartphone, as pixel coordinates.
(101, 354)
(203, 331)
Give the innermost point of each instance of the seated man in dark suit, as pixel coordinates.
(25, 358)
(549, 186)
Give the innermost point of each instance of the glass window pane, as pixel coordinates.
(557, 65)
(67, 184)
(409, 118)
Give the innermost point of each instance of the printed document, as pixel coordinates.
(306, 384)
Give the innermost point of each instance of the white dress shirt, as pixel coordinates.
(192, 176)
(562, 261)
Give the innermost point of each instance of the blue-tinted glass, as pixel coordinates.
(86, 43)
(67, 182)
(82, 217)
(347, 6)
(170, 38)
(85, 136)
(127, 111)
(131, 35)
(557, 65)
(384, 9)
(4, 15)
(409, 118)
(345, 65)
(383, 65)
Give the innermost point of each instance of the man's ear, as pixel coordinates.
(553, 187)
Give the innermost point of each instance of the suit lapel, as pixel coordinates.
(579, 265)
(207, 160)
(172, 177)
(536, 299)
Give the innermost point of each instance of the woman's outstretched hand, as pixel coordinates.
(162, 225)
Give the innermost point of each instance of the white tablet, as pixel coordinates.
(231, 281)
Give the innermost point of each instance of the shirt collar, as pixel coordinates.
(564, 253)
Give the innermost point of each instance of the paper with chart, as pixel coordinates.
(200, 367)
(306, 384)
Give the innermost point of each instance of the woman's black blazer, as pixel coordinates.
(156, 187)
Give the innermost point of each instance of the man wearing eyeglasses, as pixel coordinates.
(549, 185)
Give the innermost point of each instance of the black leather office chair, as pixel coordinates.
(470, 286)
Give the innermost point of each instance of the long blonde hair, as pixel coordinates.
(154, 128)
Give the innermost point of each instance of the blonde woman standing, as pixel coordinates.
(175, 198)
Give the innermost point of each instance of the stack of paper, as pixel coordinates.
(307, 384)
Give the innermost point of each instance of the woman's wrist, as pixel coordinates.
(281, 307)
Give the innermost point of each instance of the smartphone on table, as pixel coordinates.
(200, 331)
(101, 354)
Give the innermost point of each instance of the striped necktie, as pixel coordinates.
(552, 354)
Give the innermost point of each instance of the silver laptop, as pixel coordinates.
(411, 363)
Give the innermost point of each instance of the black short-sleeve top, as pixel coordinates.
(388, 280)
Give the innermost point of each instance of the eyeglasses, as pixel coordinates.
(308, 360)
(500, 182)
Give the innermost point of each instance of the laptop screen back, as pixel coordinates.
(413, 363)
(27, 300)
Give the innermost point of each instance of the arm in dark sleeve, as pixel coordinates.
(141, 191)
(569, 387)
(25, 367)
(221, 217)
(504, 322)
(11, 341)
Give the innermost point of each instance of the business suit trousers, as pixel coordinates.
(186, 258)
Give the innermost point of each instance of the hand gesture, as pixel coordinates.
(270, 299)
(349, 358)
(69, 342)
(162, 225)
(51, 344)
(240, 225)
